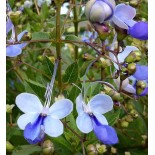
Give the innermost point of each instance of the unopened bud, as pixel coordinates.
(9, 147)
(15, 16)
(124, 124)
(40, 58)
(61, 96)
(140, 86)
(102, 30)
(101, 148)
(134, 56)
(9, 108)
(91, 150)
(99, 11)
(28, 4)
(48, 147)
(18, 4)
(127, 153)
(51, 58)
(134, 113)
(27, 36)
(134, 3)
(113, 150)
(87, 56)
(131, 68)
(121, 33)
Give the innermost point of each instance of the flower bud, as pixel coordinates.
(87, 56)
(127, 153)
(15, 16)
(134, 113)
(131, 68)
(98, 11)
(134, 56)
(91, 150)
(48, 147)
(101, 148)
(26, 37)
(9, 108)
(102, 30)
(121, 33)
(140, 86)
(134, 3)
(9, 147)
(124, 124)
(113, 150)
(28, 4)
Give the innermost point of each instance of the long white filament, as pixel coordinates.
(50, 85)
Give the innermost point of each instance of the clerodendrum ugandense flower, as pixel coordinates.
(98, 11)
(90, 118)
(39, 119)
(123, 18)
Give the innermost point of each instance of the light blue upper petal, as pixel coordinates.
(9, 25)
(84, 123)
(53, 127)
(129, 88)
(21, 35)
(61, 108)
(22, 45)
(117, 21)
(13, 51)
(126, 52)
(101, 104)
(27, 103)
(124, 12)
(130, 22)
(79, 104)
(24, 119)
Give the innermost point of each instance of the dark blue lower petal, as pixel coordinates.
(141, 72)
(139, 31)
(34, 133)
(105, 133)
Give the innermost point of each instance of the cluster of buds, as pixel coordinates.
(96, 149)
(15, 17)
(140, 86)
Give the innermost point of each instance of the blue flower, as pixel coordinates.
(98, 11)
(39, 120)
(16, 49)
(89, 36)
(90, 118)
(123, 18)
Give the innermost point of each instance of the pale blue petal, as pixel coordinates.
(129, 88)
(21, 35)
(61, 109)
(27, 103)
(130, 23)
(53, 127)
(34, 132)
(22, 45)
(9, 25)
(84, 123)
(124, 83)
(79, 104)
(101, 104)
(24, 119)
(117, 21)
(101, 118)
(126, 52)
(125, 12)
(13, 51)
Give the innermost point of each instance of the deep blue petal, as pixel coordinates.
(105, 133)
(139, 31)
(34, 133)
(141, 72)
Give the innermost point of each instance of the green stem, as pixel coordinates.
(76, 27)
(58, 45)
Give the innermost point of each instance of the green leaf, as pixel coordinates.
(71, 74)
(27, 150)
(74, 38)
(113, 117)
(74, 93)
(40, 36)
(44, 11)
